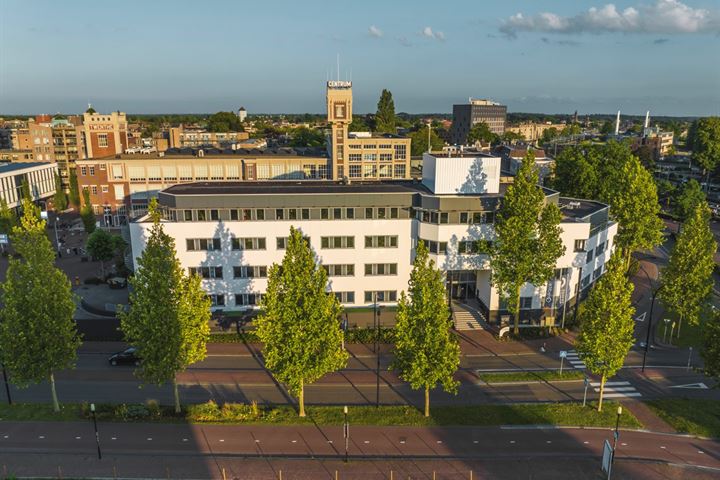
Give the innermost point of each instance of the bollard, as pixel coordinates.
(336, 475)
(223, 473)
(115, 472)
(391, 475)
(471, 475)
(280, 474)
(167, 472)
(59, 472)
(433, 474)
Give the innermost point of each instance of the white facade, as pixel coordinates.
(461, 174)
(40, 177)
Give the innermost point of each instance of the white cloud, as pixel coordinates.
(375, 31)
(664, 17)
(429, 33)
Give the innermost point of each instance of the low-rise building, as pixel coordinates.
(513, 155)
(183, 137)
(121, 187)
(532, 131)
(365, 235)
(40, 177)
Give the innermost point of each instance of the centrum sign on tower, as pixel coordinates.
(339, 84)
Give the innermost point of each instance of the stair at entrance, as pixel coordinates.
(467, 317)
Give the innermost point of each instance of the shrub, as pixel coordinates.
(137, 411)
(153, 408)
(204, 412)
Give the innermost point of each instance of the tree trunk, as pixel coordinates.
(602, 391)
(627, 262)
(56, 404)
(301, 399)
(679, 325)
(427, 400)
(516, 322)
(177, 396)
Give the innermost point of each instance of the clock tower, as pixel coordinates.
(339, 116)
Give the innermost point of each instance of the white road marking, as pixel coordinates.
(586, 442)
(512, 441)
(41, 437)
(700, 451)
(222, 440)
(548, 441)
(476, 441)
(609, 384)
(6, 436)
(257, 441)
(77, 438)
(624, 444)
(329, 441)
(185, 439)
(439, 441)
(620, 395)
(149, 439)
(662, 446)
(367, 441)
(113, 438)
(294, 441)
(402, 441)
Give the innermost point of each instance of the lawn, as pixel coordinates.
(570, 414)
(544, 376)
(693, 416)
(690, 335)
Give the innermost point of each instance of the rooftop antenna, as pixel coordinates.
(617, 124)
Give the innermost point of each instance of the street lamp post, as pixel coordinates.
(97, 435)
(7, 385)
(617, 433)
(667, 322)
(377, 364)
(346, 431)
(649, 327)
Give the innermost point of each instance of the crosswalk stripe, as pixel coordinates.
(619, 395)
(609, 384)
(617, 389)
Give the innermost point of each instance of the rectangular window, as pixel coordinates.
(597, 273)
(589, 256)
(380, 269)
(260, 214)
(464, 217)
(340, 270)
(94, 189)
(281, 242)
(325, 213)
(248, 243)
(105, 189)
(248, 299)
(600, 248)
(369, 212)
(380, 296)
(399, 171)
(444, 217)
(345, 297)
(305, 214)
(394, 212)
(292, 214)
(206, 272)
(337, 242)
(187, 215)
(201, 215)
(279, 214)
(217, 300)
(83, 170)
(203, 244)
(337, 213)
(247, 271)
(92, 170)
(526, 303)
(350, 213)
(214, 215)
(381, 213)
(580, 245)
(467, 247)
(102, 140)
(234, 214)
(381, 241)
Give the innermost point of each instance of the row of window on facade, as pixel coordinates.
(250, 214)
(260, 243)
(261, 271)
(465, 218)
(254, 299)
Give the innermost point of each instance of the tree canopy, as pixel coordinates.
(426, 351)
(704, 140)
(607, 324)
(527, 238)
(299, 324)
(687, 199)
(38, 335)
(419, 141)
(306, 137)
(480, 132)
(104, 246)
(74, 195)
(385, 120)
(86, 213)
(224, 122)
(60, 201)
(169, 315)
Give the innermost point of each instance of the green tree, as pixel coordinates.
(385, 115)
(576, 173)
(632, 195)
(549, 134)
(60, 199)
(711, 345)
(512, 137)
(607, 128)
(606, 332)
(306, 137)
(169, 316)
(358, 124)
(25, 190)
(104, 246)
(570, 130)
(37, 334)
(299, 327)
(224, 122)
(704, 141)
(646, 155)
(8, 219)
(687, 279)
(527, 238)
(426, 351)
(480, 132)
(689, 197)
(419, 141)
(86, 213)
(74, 189)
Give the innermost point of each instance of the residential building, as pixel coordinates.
(465, 116)
(513, 155)
(106, 134)
(532, 131)
(182, 137)
(68, 145)
(40, 177)
(11, 155)
(121, 187)
(361, 155)
(37, 138)
(365, 234)
(5, 139)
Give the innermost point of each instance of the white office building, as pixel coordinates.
(365, 233)
(40, 177)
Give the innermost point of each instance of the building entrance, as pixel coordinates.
(461, 283)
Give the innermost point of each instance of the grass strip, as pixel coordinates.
(569, 414)
(527, 376)
(693, 416)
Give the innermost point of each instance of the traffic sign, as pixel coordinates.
(4, 238)
(563, 353)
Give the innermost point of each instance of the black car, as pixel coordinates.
(126, 357)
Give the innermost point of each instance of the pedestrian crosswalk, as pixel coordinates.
(616, 389)
(574, 360)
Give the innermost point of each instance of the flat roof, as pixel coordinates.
(577, 208)
(290, 187)
(213, 152)
(12, 166)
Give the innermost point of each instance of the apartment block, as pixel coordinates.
(465, 116)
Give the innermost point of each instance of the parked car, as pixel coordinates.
(126, 357)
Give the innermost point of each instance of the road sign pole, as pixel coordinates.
(587, 382)
(689, 359)
(562, 359)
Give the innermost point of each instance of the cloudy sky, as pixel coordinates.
(274, 56)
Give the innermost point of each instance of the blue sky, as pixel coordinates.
(274, 56)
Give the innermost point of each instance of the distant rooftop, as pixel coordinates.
(373, 135)
(295, 187)
(579, 209)
(11, 167)
(211, 151)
